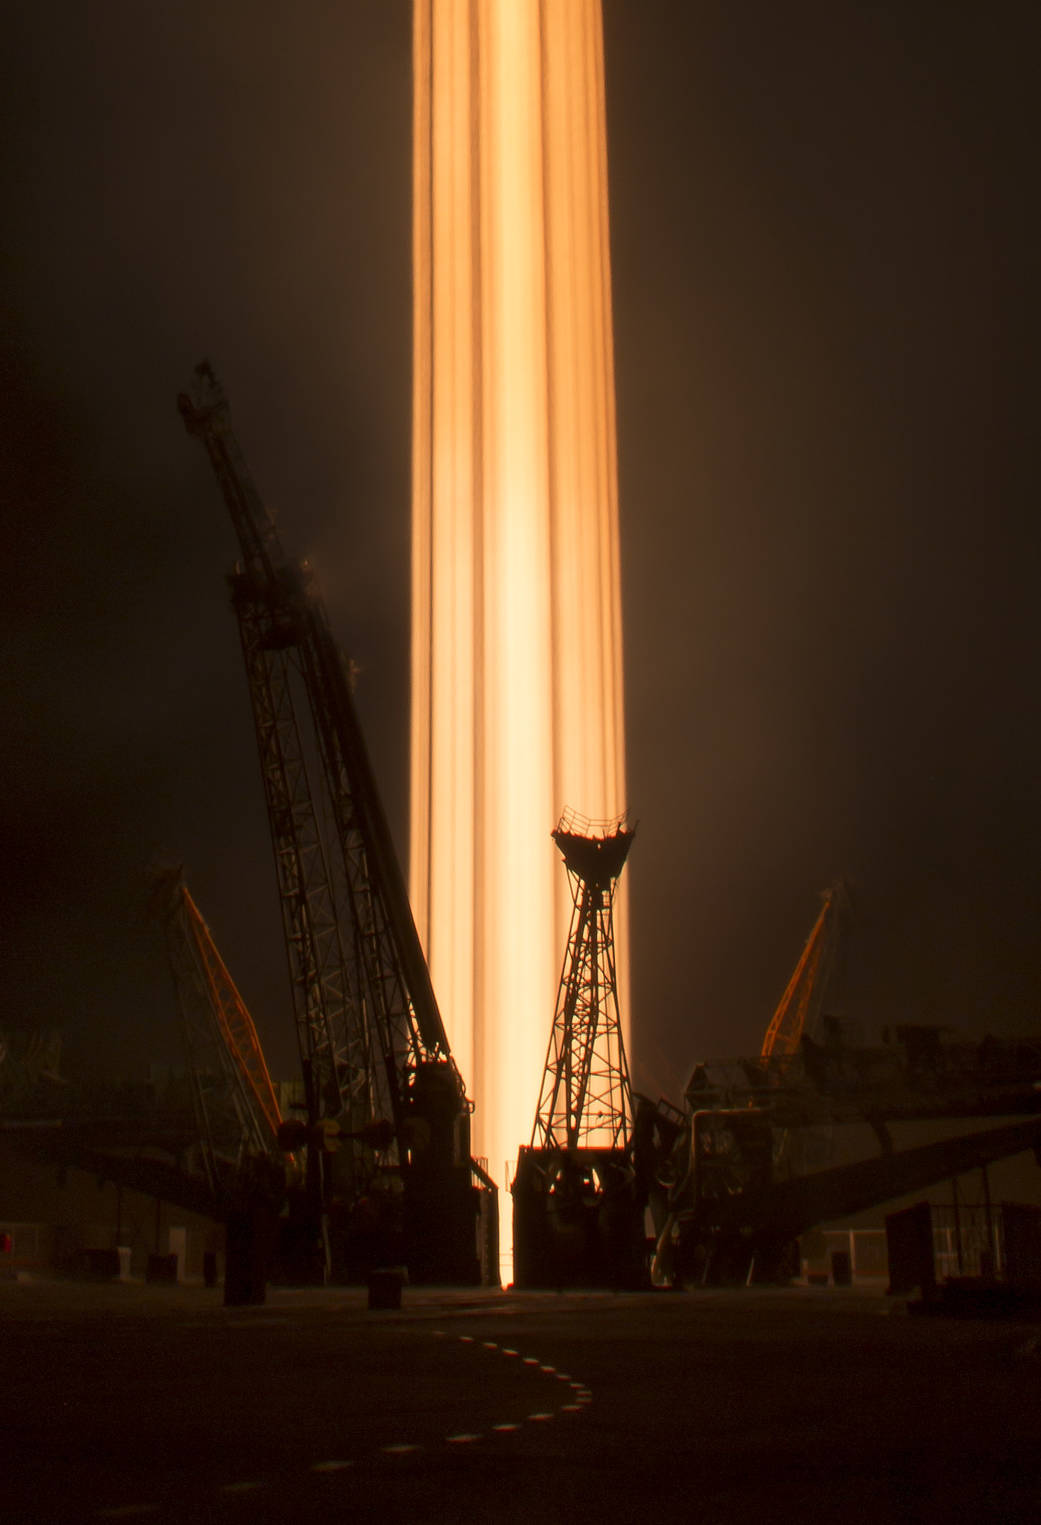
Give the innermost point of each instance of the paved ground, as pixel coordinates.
(131, 1402)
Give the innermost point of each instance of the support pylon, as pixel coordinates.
(577, 1204)
(586, 1100)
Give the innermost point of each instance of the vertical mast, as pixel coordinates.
(586, 1098)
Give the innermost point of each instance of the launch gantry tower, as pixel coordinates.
(376, 1060)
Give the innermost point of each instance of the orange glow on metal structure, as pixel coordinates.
(808, 982)
(516, 646)
(234, 1020)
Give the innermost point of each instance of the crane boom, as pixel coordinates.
(804, 992)
(233, 1018)
(281, 610)
(236, 1111)
(372, 1044)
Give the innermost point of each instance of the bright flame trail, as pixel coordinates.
(517, 642)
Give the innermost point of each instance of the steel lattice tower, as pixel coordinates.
(374, 1052)
(586, 1100)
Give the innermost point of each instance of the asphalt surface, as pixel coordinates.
(126, 1402)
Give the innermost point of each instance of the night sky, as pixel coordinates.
(824, 252)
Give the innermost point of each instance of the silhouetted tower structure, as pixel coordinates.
(586, 1097)
(577, 1212)
(375, 1056)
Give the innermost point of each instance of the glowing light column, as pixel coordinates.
(517, 659)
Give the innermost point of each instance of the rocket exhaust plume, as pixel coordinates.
(516, 640)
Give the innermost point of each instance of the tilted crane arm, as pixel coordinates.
(805, 990)
(235, 1023)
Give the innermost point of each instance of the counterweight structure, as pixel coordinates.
(576, 1214)
(377, 1066)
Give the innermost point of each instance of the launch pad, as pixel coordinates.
(771, 1404)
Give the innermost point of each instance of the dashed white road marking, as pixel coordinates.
(580, 1393)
